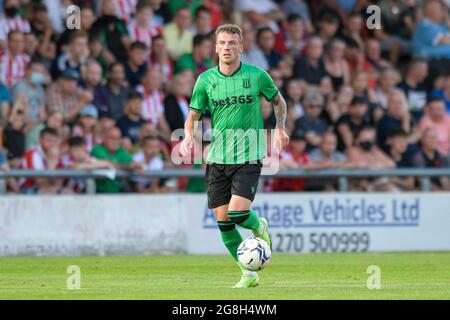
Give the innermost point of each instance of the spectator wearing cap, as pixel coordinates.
(311, 123)
(413, 85)
(13, 61)
(111, 98)
(351, 123)
(265, 39)
(397, 116)
(442, 92)
(136, 65)
(431, 38)
(177, 33)
(86, 126)
(200, 59)
(437, 118)
(32, 87)
(202, 21)
(11, 20)
(429, 157)
(130, 123)
(252, 54)
(65, 96)
(400, 152)
(75, 57)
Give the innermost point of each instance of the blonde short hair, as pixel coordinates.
(229, 28)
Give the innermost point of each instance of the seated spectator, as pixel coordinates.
(45, 156)
(11, 20)
(351, 123)
(54, 120)
(429, 157)
(402, 154)
(75, 57)
(177, 34)
(374, 61)
(443, 93)
(111, 149)
(338, 105)
(389, 78)
(361, 89)
(141, 28)
(300, 9)
(265, 38)
(262, 13)
(335, 64)
(130, 123)
(14, 133)
(176, 103)
(160, 58)
(5, 103)
(310, 123)
(110, 98)
(353, 29)
(365, 154)
(149, 158)
(125, 9)
(414, 87)
(252, 54)
(310, 68)
(136, 65)
(431, 38)
(328, 25)
(293, 40)
(200, 58)
(397, 117)
(91, 76)
(86, 127)
(202, 21)
(32, 87)
(11, 184)
(111, 31)
(294, 103)
(66, 97)
(437, 118)
(43, 33)
(345, 7)
(14, 60)
(78, 157)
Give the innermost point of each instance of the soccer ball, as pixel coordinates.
(254, 254)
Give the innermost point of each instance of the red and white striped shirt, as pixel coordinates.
(125, 8)
(152, 105)
(12, 69)
(8, 24)
(166, 69)
(144, 35)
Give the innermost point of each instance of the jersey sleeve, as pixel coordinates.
(199, 98)
(266, 86)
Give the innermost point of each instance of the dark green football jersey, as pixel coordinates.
(234, 102)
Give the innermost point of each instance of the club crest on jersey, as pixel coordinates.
(246, 83)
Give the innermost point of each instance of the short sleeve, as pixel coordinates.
(266, 85)
(199, 99)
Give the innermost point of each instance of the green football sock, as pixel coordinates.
(230, 237)
(246, 219)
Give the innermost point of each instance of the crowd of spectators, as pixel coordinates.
(109, 95)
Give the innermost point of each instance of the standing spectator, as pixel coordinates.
(437, 118)
(265, 38)
(252, 54)
(111, 31)
(310, 123)
(397, 117)
(176, 103)
(44, 156)
(130, 123)
(335, 64)
(32, 87)
(110, 99)
(444, 92)
(111, 149)
(11, 20)
(14, 61)
(141, 28)
(200, 58)
(178, 35)
(414, 87)
(431, 38)
(429, 157)
(202, 21)
(136, 64)
(86, 126)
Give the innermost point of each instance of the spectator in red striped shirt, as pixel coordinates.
(124, 9)
(14, 61)
(141, 28)
(160, 59)
(12, 21)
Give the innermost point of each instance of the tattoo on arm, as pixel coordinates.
(280, 109)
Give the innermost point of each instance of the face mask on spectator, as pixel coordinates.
(37, 78)
(11, 11)
(366, 145)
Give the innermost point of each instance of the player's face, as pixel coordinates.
(228, 47)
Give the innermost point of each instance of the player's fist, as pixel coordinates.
(281, 138)
(186, 145)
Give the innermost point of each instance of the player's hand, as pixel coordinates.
(186, 145)
(281, 138)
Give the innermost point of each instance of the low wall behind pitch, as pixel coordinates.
(181, 223)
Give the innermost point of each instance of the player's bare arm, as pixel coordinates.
(189, 128)
(280, 109)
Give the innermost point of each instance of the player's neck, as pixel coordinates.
(229, 69)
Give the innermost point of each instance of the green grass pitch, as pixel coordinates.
(314, 276)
